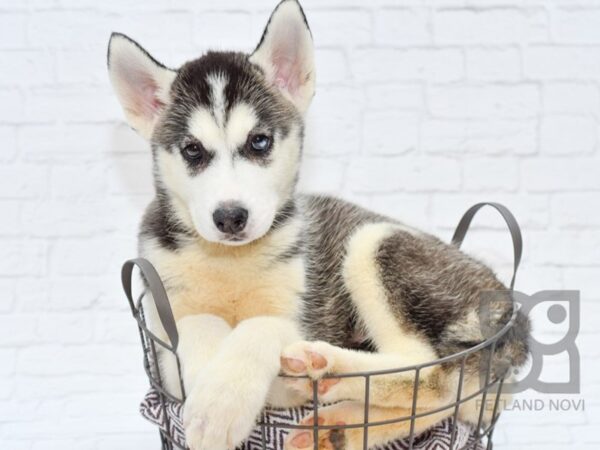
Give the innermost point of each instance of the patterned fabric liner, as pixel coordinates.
(437, 437)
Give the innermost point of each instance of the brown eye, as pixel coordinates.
(193, 152)
(259, 143)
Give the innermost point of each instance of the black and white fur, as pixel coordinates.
(262, 279)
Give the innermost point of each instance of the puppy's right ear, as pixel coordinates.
(142, 84)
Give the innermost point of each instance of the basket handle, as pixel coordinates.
(158, 294)
(513, 227)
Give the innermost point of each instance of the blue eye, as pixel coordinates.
(260, 143)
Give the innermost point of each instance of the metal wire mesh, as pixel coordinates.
(483, 431)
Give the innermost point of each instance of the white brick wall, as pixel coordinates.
(423, 108)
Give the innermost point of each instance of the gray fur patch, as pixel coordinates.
(328, 311)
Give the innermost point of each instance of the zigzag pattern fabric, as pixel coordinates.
(436, 438)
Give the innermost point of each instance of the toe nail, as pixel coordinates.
(293, 364)
(303, 440)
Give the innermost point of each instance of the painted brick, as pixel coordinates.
(8, 137)
(395, 96)
(332, 66)
(382, 64)
(422, 109)
(17, 330)
(562, 63)
(576, 26)
(395, 174)
(494, 26)
(208, 31)
(13, 110)
(531, 210)
(483, 102)
(71, 104)
(336, 108)
(20, 257)
(479, 137)
(402, 27)
(568, 97)
(67, 256)
(13, 30)
(11, 220)
(568, 135)
(565, 248)
(573, 209)
(390, 132)
(560, 174)
(29, 68)
(343, 28)
(494, 64)
(321, 174)
(491, 174)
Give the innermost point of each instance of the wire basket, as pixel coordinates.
(274, 424)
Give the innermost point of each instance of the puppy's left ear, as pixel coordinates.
(286, 54)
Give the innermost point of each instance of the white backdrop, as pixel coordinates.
(422, 109)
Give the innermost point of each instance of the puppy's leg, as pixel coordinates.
(232, 389)
(352, 413)
(200, 338)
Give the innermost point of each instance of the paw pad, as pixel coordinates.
(293, 365)
(317, 360)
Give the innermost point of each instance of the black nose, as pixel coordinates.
(230, 219)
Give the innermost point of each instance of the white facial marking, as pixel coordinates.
(242, 120)
(203, 126)
(218, 83)
(231, 136)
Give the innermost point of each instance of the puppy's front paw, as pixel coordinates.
(312, 359)
(221, 415)
(194, 426)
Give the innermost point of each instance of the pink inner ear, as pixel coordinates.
(286, 59)
(141, 89)
(147, 102)
(286, 73)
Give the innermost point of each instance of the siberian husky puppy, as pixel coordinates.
(262, 280)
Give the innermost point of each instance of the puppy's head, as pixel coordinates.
(226, 129)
